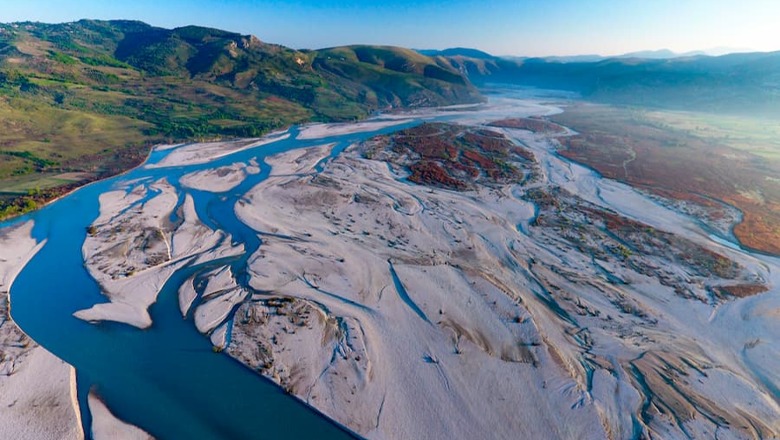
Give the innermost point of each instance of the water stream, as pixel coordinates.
(165, 379)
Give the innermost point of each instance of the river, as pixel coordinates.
(165, 379)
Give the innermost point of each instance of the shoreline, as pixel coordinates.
(354, 246)
(33, 375)
(7, 221)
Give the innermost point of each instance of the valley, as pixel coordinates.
(717, 167)
(205, 235)
(435, 262)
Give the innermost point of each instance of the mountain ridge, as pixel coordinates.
(85, 100)
(592, 57)
(738, 83)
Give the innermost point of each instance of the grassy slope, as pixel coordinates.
(83, 100)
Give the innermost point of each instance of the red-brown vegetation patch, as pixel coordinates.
(543, 198)
(524, 153)
(425, 130)
(468, 170)
(493, 144)
(430, 147)
(480, 160)
(580, 149)
(741, 290)
(650, 241)
(488, 133)
(760, 227)
(432, 174)
(454, 156)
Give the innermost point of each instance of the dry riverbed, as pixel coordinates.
(461, 280)
(386, 304)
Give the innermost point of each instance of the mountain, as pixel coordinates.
(457, 51)
(721, 50)
(664, 54)
(383, 76)
(742, 83)
(660, 54)
(88, 98)
(592, 58)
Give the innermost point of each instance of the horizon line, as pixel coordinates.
(675, 53)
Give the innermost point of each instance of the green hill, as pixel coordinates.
(83, 100)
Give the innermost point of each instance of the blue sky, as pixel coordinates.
(504, 27)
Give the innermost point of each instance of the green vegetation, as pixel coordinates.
(623, 251)
(18, 207)
(28, 156)
(61, 58)
(84, 100)
(104, 60)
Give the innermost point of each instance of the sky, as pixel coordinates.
(501, 27)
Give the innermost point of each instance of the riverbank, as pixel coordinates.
(39, 199)
(37, 390)
(405, 292)
(717, 166)
(131, 253)
(548, 297)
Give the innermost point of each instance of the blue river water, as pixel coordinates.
(165, 379)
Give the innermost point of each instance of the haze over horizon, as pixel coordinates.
(502, 27)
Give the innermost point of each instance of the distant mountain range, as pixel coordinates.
(744, 83)
(457, 51)
(660, 54)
